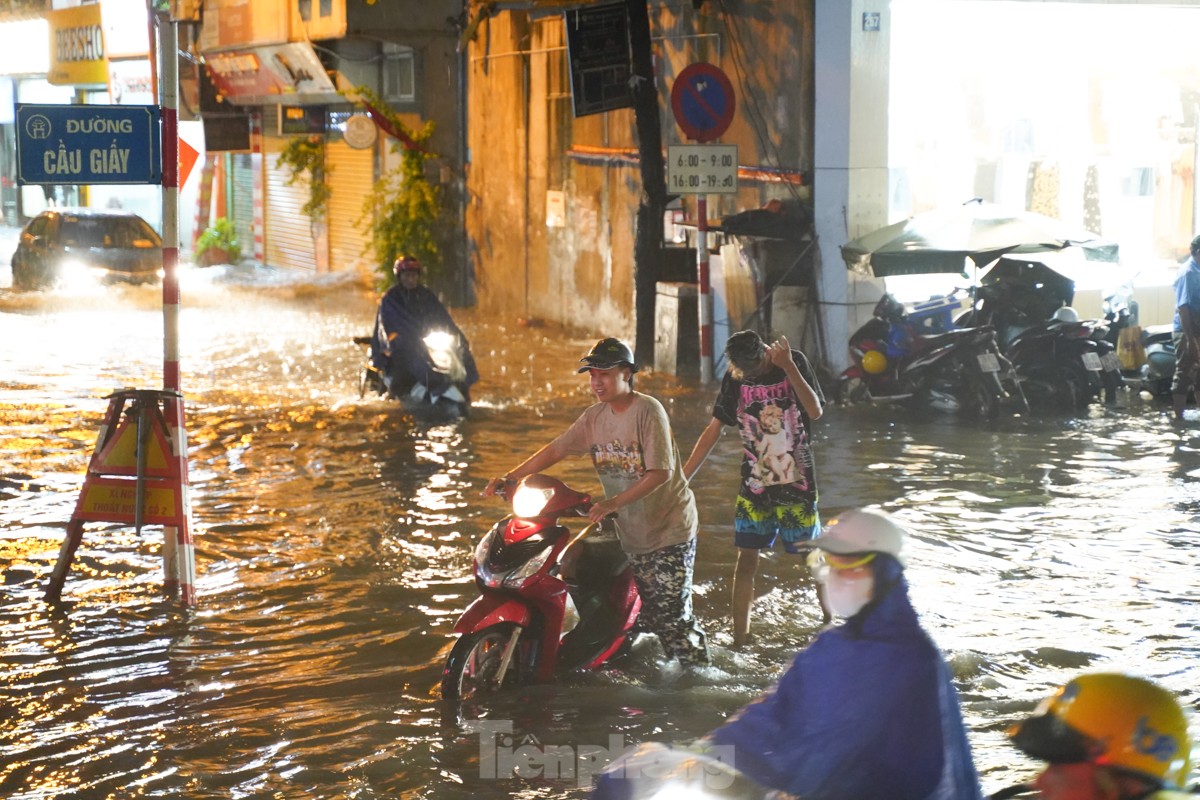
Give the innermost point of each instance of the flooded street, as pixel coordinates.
(334, 542)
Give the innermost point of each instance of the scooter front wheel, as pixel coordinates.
(483, 661)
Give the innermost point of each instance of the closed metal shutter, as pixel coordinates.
(289, 237)
(241, 199)
(353, 181)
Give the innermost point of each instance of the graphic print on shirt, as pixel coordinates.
(774, 437)
(617, 460)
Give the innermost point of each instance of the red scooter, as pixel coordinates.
(549, 603)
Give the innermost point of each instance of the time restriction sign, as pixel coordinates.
(702, 168)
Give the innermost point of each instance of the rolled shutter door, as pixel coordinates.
(242, 200)
(289, 235)
(353, 181)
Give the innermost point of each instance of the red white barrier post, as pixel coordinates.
(179, 564)
(705, 311)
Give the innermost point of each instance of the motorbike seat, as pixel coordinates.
(602, 559)
(921, 343)
(592, 560)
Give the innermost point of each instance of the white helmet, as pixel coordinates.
(862, 530)
(1066, 314)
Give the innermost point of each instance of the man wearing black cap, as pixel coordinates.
(1187, 331)
(628, 436)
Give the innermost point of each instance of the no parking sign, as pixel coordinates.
(703, 101)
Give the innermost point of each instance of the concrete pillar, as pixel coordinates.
(850, 142)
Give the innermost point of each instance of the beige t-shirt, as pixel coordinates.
(623, 446)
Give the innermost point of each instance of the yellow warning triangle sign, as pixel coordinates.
(119, 454)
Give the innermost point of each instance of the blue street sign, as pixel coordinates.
(60, 144)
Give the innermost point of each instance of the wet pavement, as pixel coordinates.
(334, 542)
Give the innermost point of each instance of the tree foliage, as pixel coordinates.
(403, 212)
(304, 156)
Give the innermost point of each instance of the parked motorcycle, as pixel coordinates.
(960, 370)
(549, 603)
(1159, 369)
(440, 385)
(1063, 362)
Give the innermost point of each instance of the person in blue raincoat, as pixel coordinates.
(407, 312)
(866, 712)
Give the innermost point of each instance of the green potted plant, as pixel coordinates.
(217, 245)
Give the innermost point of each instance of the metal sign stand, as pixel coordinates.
(138, 475)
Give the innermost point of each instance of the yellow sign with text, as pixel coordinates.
(115, 500)
(77, 53)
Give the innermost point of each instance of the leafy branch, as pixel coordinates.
(304, 156)
(403, 212)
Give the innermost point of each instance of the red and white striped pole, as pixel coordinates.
(705, 311)
(179, 565)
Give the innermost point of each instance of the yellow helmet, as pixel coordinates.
(1111, 720)
(874, 362)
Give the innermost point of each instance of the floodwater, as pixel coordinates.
(334, 539)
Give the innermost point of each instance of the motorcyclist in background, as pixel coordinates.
(407, 312)
(1108, 736)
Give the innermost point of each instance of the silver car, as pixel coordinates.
(86, 244)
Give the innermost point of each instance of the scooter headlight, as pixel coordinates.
(529, 502)
(514, 577)
(440, 344)
(439, 340)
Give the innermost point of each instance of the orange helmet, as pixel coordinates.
(1112, 720)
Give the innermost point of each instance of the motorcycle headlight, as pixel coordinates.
(438, 340)
(516, 579)
(439, 344)
(528, 502)
(512, 578)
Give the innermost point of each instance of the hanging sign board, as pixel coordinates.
(600, 58)
(69, 144)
